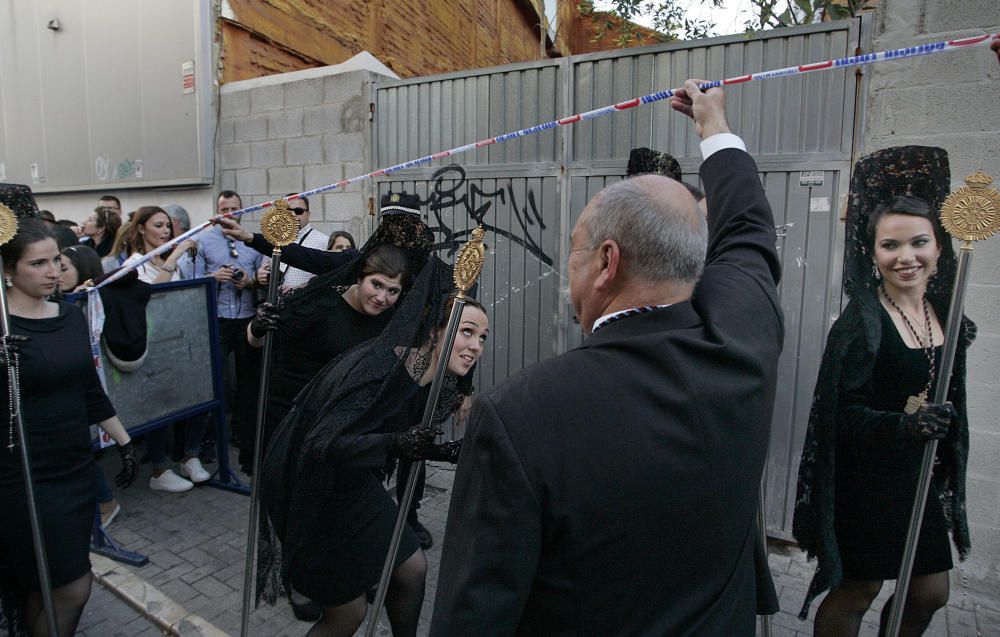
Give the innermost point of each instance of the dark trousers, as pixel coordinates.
(245, 384)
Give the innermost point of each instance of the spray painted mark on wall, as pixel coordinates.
(450, 190)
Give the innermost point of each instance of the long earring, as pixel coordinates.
(9, 282)
(876, 273)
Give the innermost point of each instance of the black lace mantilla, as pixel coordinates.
(849, 359)
(349, 400)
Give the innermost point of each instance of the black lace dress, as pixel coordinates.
(328, 518)
(877, 474)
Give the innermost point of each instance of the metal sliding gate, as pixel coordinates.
(528, 192)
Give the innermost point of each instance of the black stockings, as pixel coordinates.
(842, 610)
(68, 601)
(403, 602)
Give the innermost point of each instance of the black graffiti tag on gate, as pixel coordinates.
(477, 204)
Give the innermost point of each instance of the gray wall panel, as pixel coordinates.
(534, 188)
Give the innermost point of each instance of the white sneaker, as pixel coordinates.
(193, 471)
(169, 481)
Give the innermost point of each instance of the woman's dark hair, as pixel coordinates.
(28, 231)
(341, 233)
(905, 205)
(469, 302)
(387, 260)
(86, 261)
(141, 216)
(107, 220)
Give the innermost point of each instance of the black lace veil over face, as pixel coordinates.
(916, 171)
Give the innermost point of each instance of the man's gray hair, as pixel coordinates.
(657, 243)
(178, 212)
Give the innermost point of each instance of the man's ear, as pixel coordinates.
(609, 257)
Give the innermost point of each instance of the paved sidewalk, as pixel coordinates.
(196, 545)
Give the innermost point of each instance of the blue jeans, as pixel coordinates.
(104, 493)
(156, 440)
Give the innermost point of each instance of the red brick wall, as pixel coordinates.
(412, 37)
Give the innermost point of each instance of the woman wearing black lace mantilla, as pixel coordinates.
(321, 481)
(872, 412)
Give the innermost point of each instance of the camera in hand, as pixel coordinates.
(238, 274)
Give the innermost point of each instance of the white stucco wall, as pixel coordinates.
(953, 101)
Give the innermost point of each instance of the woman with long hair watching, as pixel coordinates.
(100, 229)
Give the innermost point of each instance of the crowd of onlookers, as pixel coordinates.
(110, 238)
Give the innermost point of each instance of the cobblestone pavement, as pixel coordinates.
(195, 542)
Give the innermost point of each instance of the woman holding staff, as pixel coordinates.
(321, 483)
(61, 395)
(871, 415)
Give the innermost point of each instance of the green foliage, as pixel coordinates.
(669, 17)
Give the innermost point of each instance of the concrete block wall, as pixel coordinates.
(297, 131)
(953, 101)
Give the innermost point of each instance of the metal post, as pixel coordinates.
(258, 452)
(411, 482)
(29, 486)
(951, 335)
(765, 620)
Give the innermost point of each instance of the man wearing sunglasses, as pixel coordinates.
(232, 265)
(308, 237)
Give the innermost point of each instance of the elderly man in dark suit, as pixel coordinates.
(613, 490)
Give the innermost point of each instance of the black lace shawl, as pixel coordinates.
(850, 353)
(339, 419)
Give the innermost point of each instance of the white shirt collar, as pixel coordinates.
(607, 317)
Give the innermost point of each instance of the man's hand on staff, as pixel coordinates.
(706, 108)
(232, 229)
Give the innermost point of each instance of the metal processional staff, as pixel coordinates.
(971, 213)
(468, 266)
(8, 230)
(280, 228)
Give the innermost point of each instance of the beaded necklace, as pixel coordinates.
(914, 403)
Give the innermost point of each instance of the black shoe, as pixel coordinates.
(306, 612)
(423, 535)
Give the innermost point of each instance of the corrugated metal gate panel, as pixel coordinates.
(529, 192)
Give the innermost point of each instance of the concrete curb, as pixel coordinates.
(168, 615)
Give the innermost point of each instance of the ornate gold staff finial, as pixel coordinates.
(278, 225)
(469, 262)
(8, 224)
(972, 213)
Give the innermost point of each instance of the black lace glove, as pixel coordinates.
(931, 422)
(266, 319)
(416, 443)
(9, 347)
(130, 465)
(447, 452)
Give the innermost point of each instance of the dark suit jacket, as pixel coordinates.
(613, 490)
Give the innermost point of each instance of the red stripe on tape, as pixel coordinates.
(621, 106)
(817, 65)
(968, 41)
(485, 142)
(569, 120)
(738, 80)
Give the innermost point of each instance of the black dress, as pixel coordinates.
(335, 551)
(61, 396)
(308, 339)
(877, 476)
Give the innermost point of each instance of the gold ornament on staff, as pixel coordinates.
(469, 262)
(8, 224)
(278, 225)
(972, 213)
